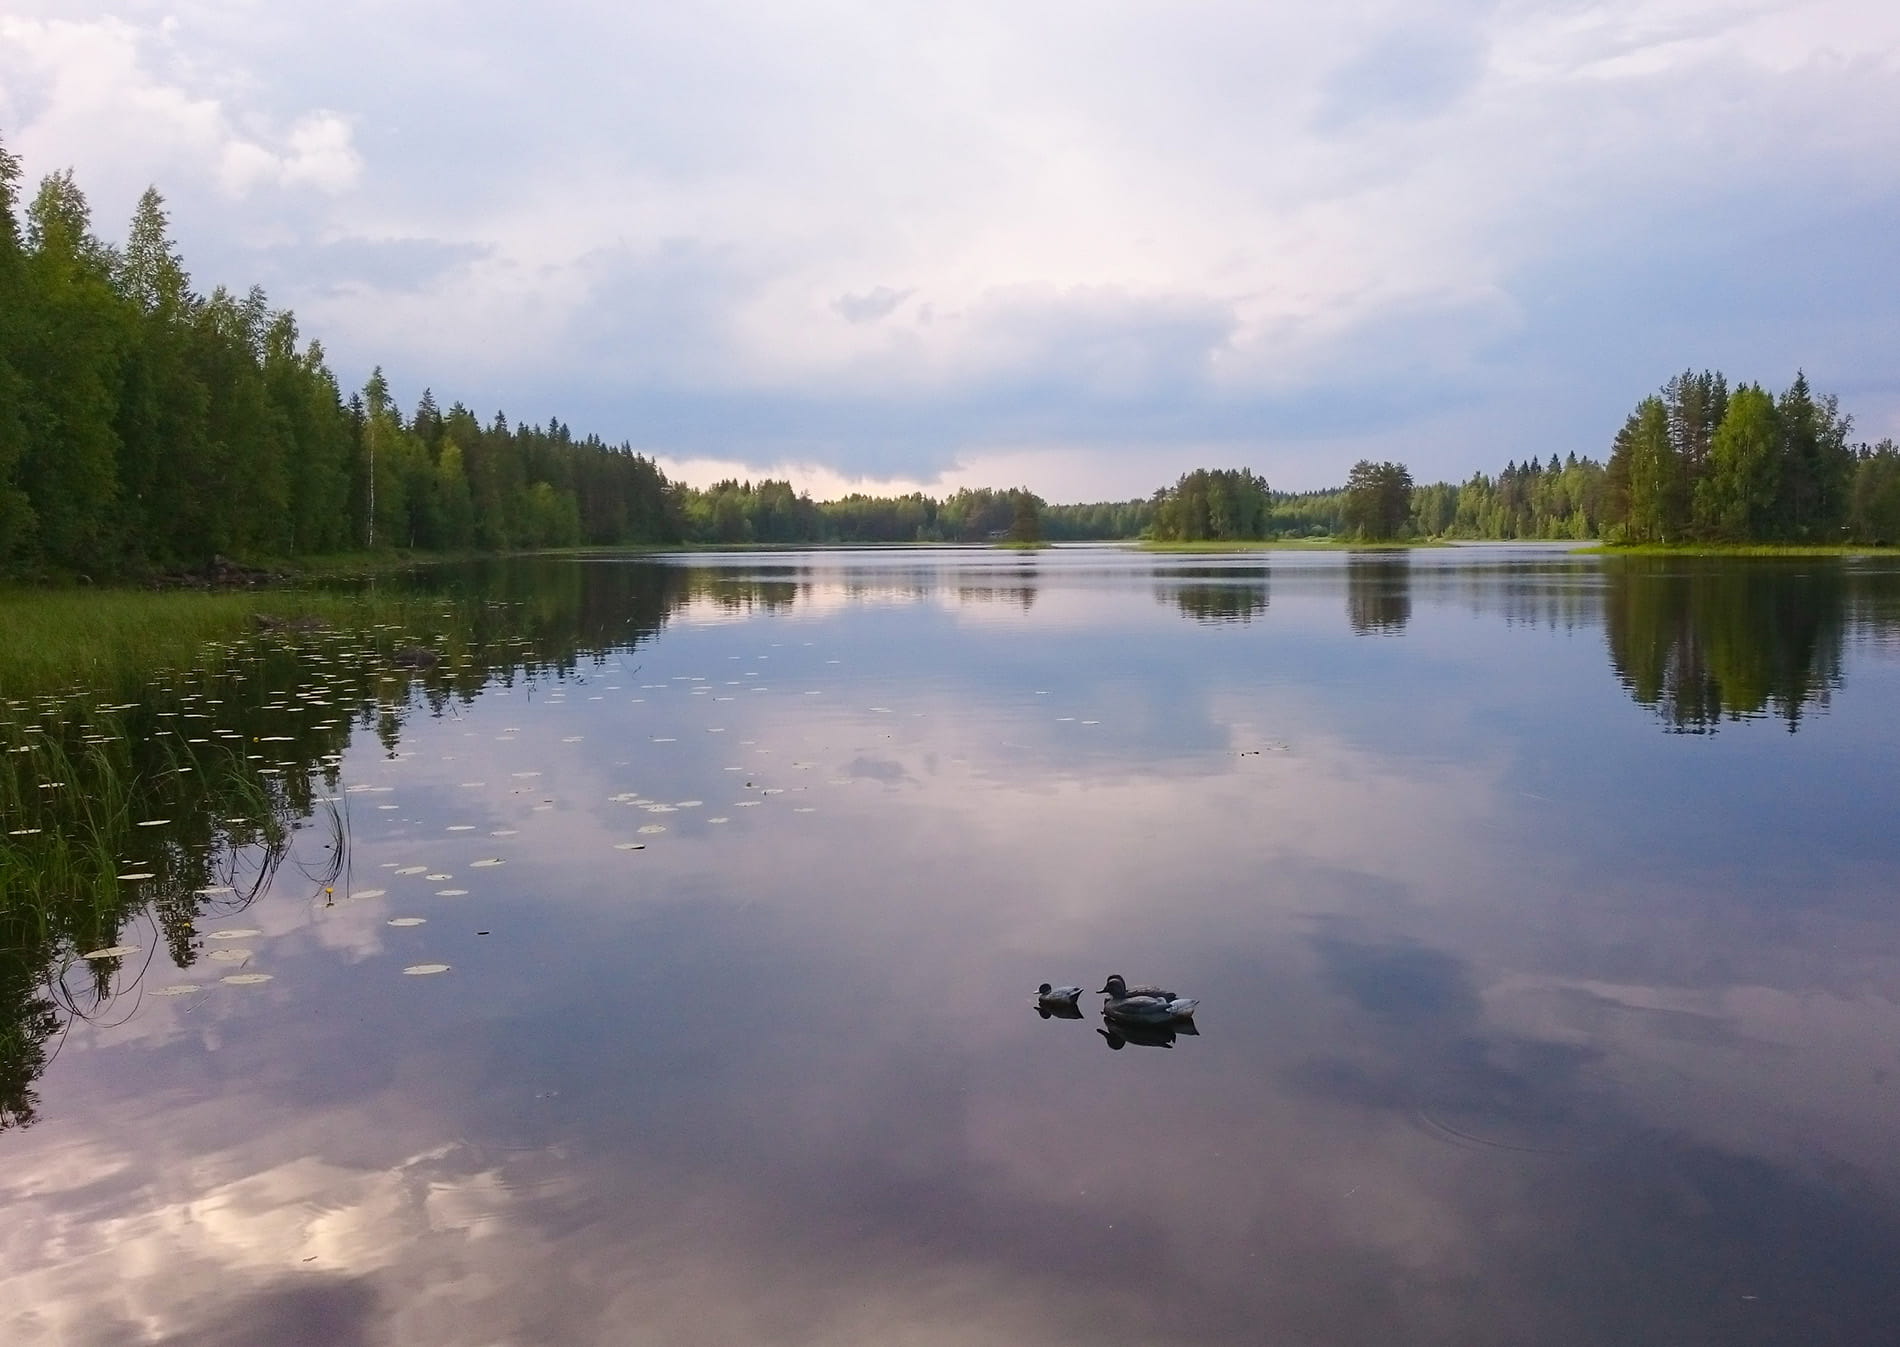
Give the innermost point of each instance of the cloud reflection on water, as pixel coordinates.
(1472, 1071)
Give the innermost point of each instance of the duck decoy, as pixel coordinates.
(1118, 988)
(1128, 1006)
(1057, 998)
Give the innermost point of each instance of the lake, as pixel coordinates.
(647, 954)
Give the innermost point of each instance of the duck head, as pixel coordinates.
(1116, 986)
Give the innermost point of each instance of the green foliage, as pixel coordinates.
(1696, 463)
(1097, 519)
(146, 427)
(1735, 500)
(1874, 500)
(1213, 504)
(1378, 500)
(772, 513)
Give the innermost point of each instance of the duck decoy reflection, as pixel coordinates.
(1063, 1011)
(1143, 1035)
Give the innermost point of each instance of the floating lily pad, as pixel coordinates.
(368, 893)
(136, 874)
(412, 870)
(439, 879)
(237, 933)
(653, 828)
(418, 970)
(112, 952)
(232, 955)
(487, 863)
(451, 893)
(177, 989)
(246, 979)
(630, 846)
(406, 921)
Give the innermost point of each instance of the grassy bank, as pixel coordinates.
(1284, 545)
(60, 640)
(1737, 550)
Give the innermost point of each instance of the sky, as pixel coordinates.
(1078, 245)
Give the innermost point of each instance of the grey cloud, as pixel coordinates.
(871, 305)
(1412, 73)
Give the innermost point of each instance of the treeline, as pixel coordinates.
(771, 511)
(145, 426)
(1097, 520)
(1698, 461)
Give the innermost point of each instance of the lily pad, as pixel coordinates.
(112, 952)
(487, 863)
(246, 979)
(418, 970)
(406, 921)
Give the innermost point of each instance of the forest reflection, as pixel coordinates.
(1700, 644)
(1379, 592)
(1214, 593)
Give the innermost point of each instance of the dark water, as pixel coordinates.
(1543, 912)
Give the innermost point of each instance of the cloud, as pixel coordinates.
(1412, 72)
(1444, 232)
(95, 86)
(870, 306)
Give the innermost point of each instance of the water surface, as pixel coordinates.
(1541, 909)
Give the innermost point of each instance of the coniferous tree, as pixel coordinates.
(1378, 500)
(74, 336)
(1735, 500)
(16, 513)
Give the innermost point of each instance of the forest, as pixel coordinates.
(145, 428)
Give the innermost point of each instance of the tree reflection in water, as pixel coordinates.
(1702, 642)
(1379, 592)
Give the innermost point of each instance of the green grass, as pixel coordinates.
(60, 640)
(1736, 550)
(1284, 545)
(64, 638)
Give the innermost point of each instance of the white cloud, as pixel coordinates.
(730, 229)
(97, 93)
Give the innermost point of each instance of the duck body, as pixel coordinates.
(1149, 1009)
(1057, 998)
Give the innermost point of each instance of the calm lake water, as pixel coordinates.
(1544, 913)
